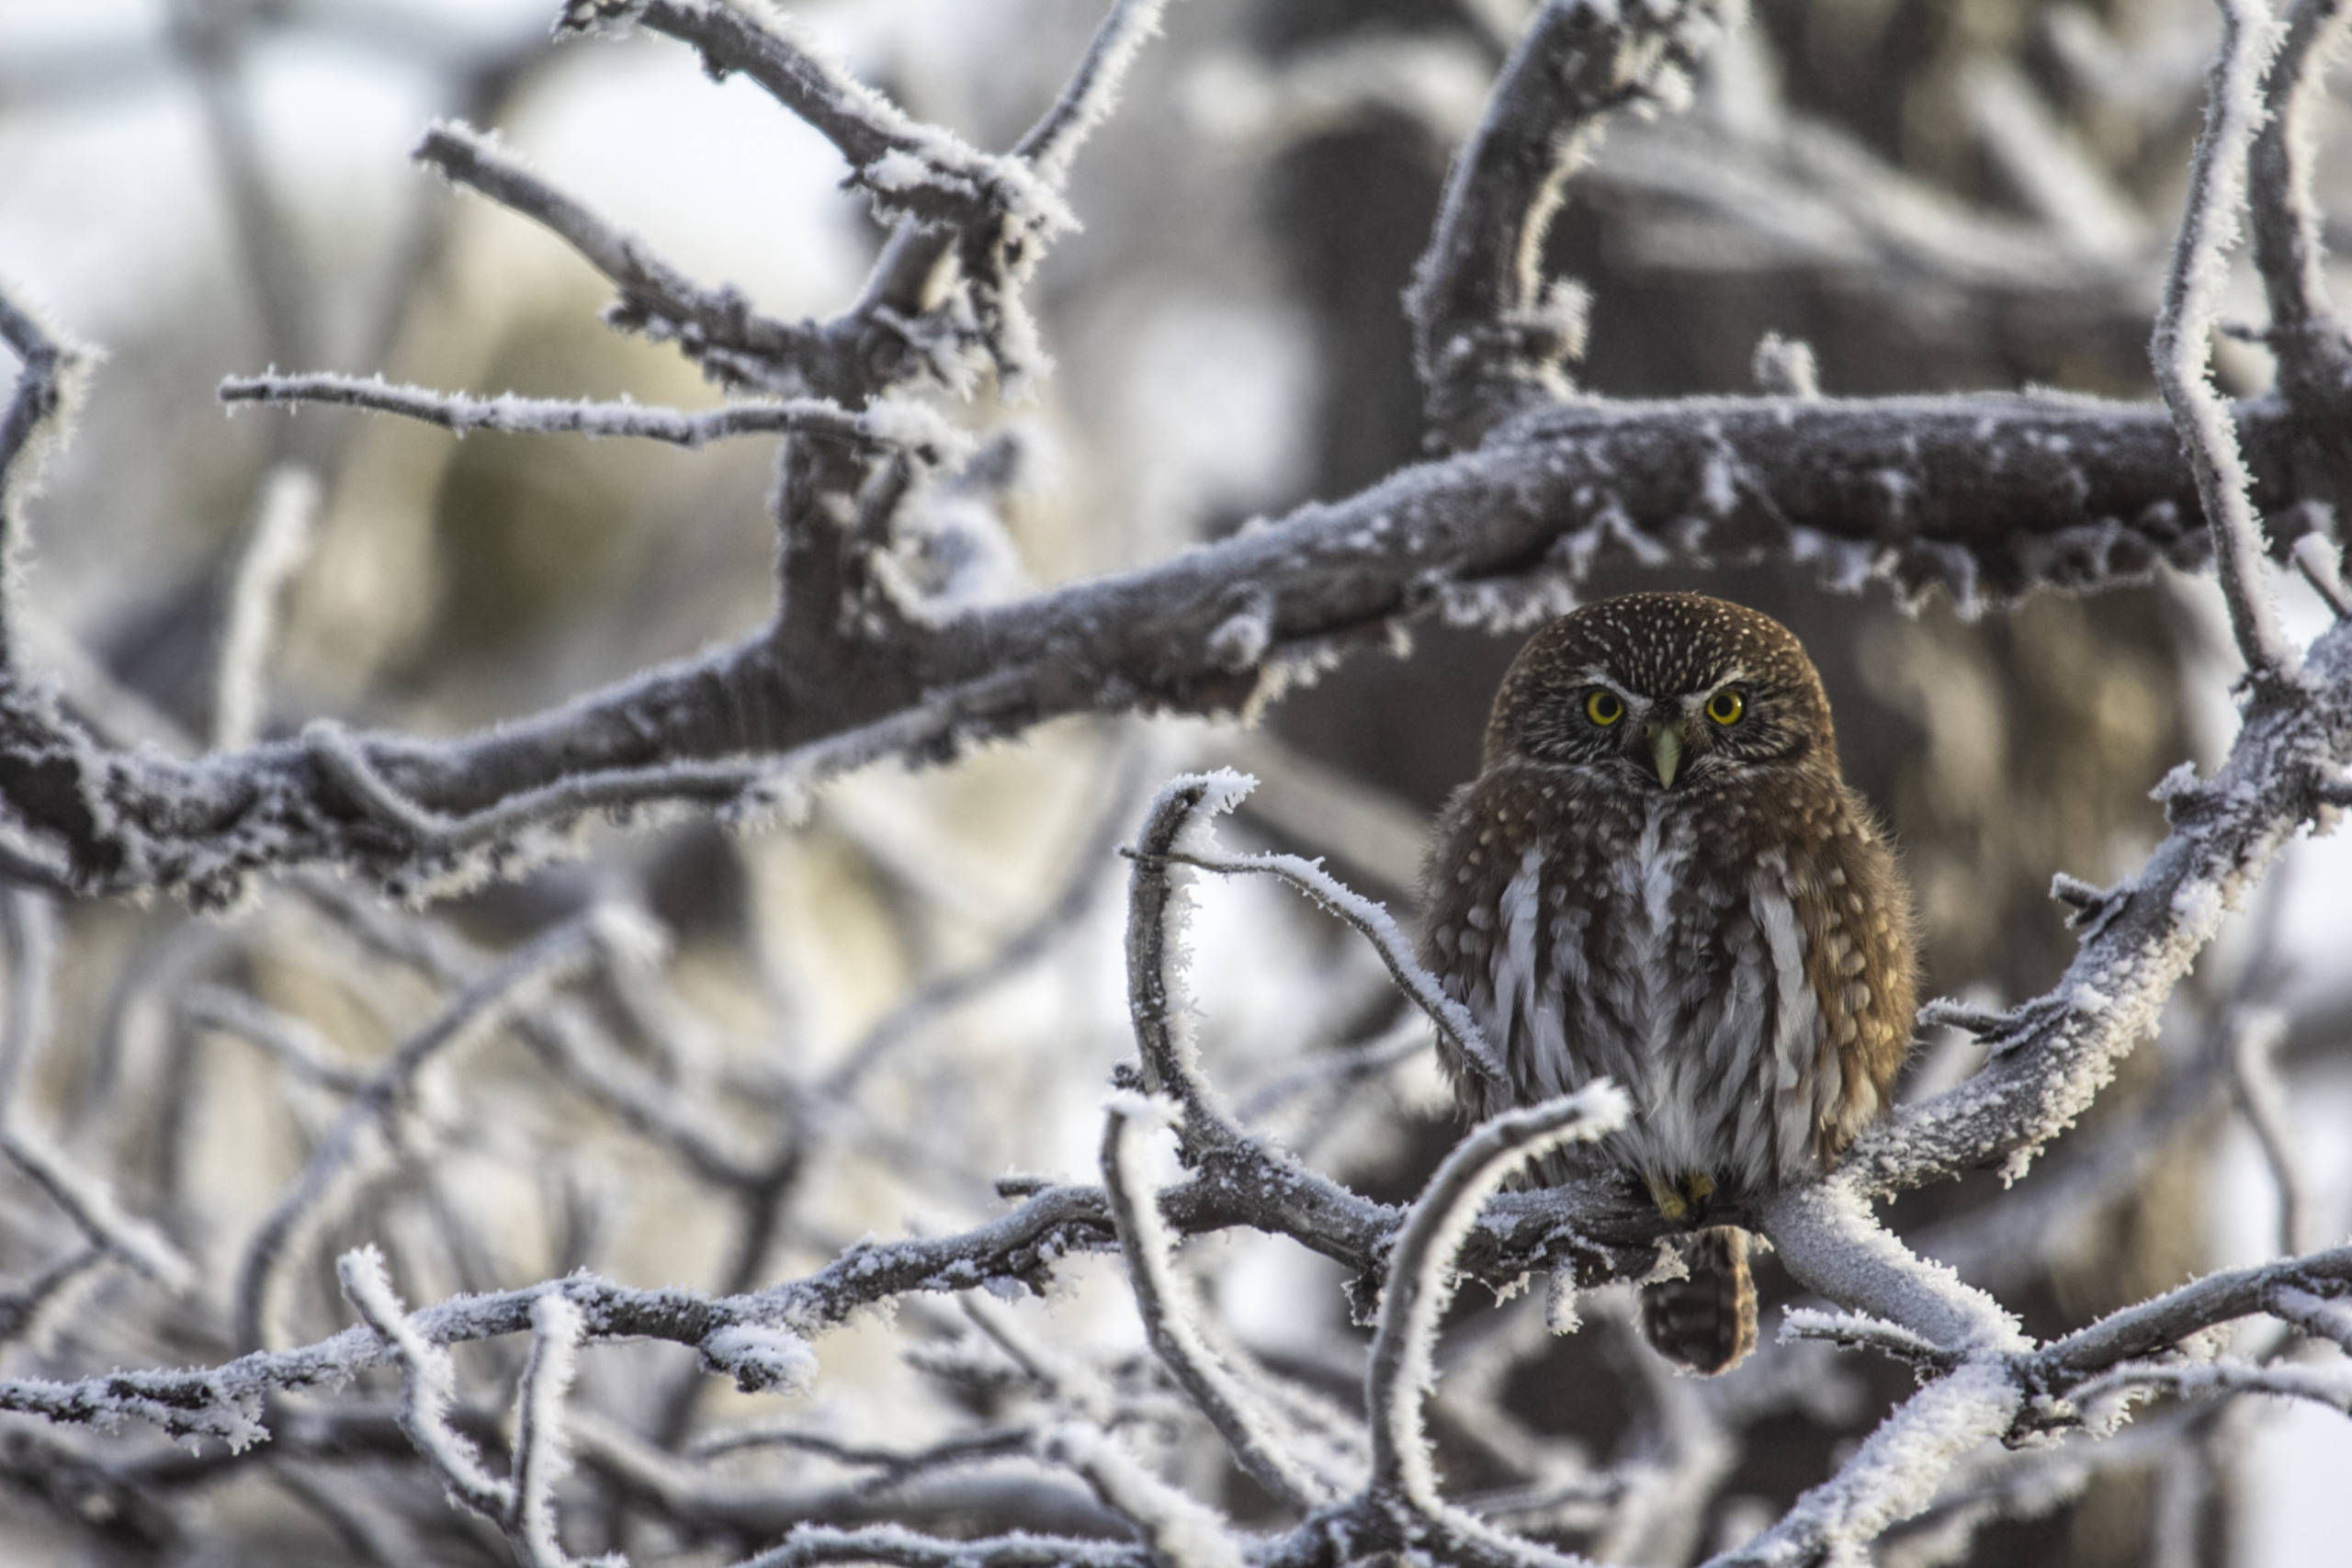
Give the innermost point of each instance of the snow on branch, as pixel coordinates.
(2306, 332)
(2053, 1053)
(1231, 1405)
(1988, 495)
(2185, 320)
(891, 425)
(1220, 793)
(52, 375)
(1423, 1276)
(1489, 333)
(716, 327)
(1892, 1477)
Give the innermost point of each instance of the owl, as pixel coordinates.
(1658, 876)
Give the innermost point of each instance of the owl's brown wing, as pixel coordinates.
(1861, 965)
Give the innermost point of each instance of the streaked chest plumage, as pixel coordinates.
(1705, 949)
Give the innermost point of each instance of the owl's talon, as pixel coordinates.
(1669, 1202)
(1699, 1186)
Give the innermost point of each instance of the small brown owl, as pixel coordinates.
(1658, 876)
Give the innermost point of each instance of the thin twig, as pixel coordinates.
(2306, 333)
(1231, 1405)
(887, 425)
(1423, 1276)
(1490, 335)
(1086, 99)
(2182, 345)
(1220, 792)
(40, 415)
(2252, 1043)
(278, 542)
(717, 327)
(428, 1385)
(471, 1013)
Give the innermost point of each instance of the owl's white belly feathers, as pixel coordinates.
(1716, 1058)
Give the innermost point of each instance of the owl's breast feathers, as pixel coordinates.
(1740, 963)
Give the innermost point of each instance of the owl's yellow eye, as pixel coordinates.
(1604, 707)
(1725, 706)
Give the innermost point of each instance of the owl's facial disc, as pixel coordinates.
(1663, 692)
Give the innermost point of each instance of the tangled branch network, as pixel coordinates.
(1989, 497)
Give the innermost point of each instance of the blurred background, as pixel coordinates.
(1931, 193)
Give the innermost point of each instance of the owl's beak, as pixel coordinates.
(1666, 751)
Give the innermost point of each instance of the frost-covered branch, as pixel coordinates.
(1221, 791)
(301, 1048)
(540, 1447)
(1179, 819)
(52, 374)
(1086, 99)
(716, 327)
(919, 170)
(999, 211)
(2183, 345)
(888, 424)
(2151, 1326)
(2053, 1053)
(428, 1386)
(1423, 1275)
(2306, 332)
(470, 1014)
(1988, 496)
(811, 1545)
(1895, 1473)
(28, 920)
(280, 542)
(1489, 333)
(1232, 1406)
(936, 998)
(2252, 1043)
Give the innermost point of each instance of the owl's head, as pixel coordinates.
(1662, 691)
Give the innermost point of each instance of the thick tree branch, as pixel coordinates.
(1989, 496)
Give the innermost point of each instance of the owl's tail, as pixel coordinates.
(1706, 1323)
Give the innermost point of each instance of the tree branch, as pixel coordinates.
(891, 425)
(1990, 496)
(1490, 335)
(2052, 1055)
(53, 374)
(2182, 345)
